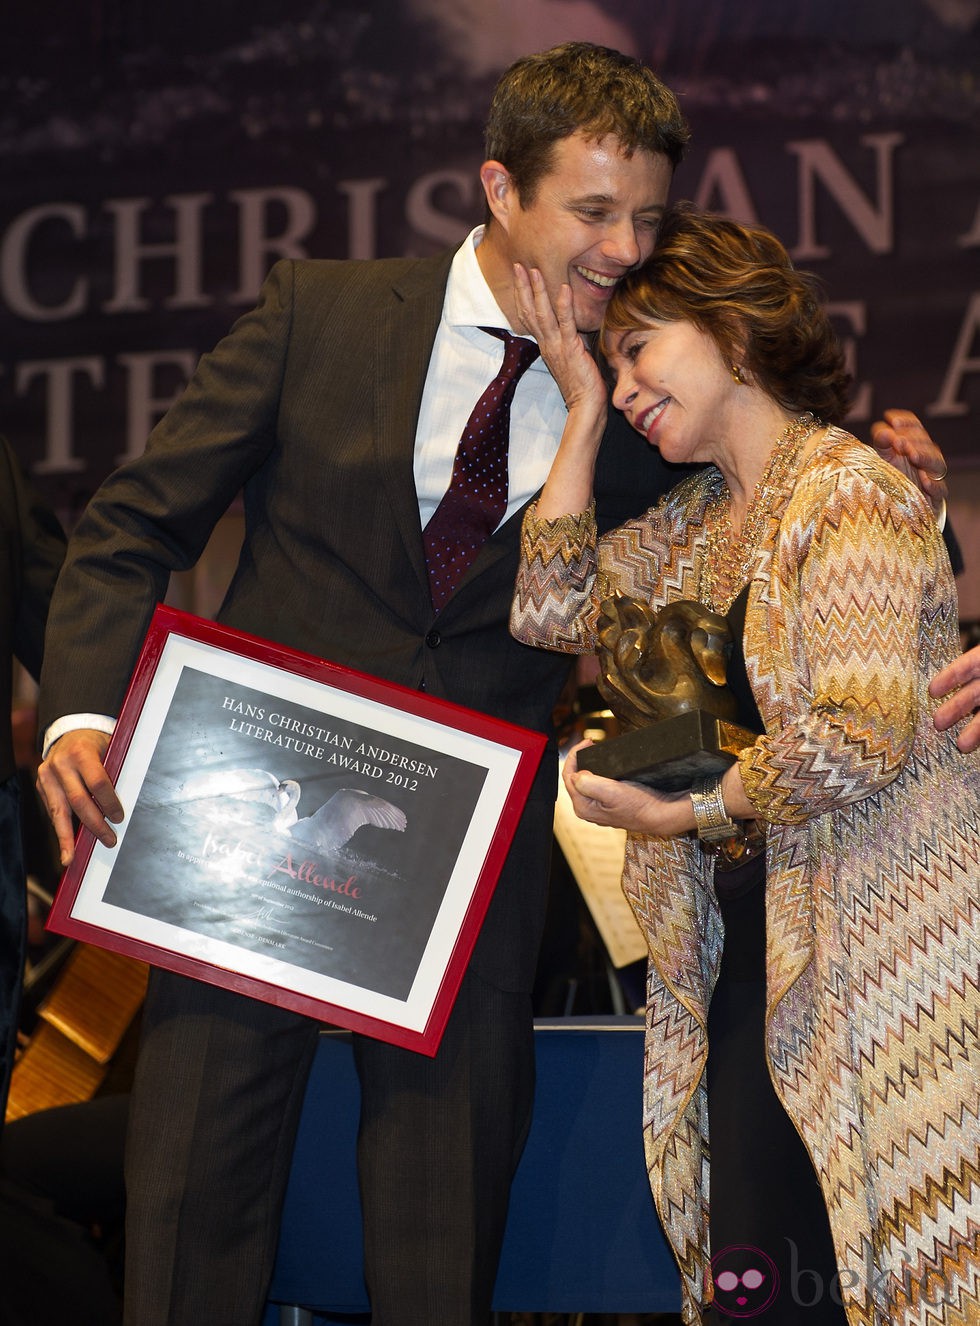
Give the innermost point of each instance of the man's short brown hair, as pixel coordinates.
(578, 88)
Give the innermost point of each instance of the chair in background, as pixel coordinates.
(582, 1233)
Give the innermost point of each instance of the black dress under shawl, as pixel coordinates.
(768, 1220)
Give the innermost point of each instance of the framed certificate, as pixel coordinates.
(299, 832)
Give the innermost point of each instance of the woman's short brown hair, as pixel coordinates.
(736, 283)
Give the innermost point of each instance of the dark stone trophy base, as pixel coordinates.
(670, 754)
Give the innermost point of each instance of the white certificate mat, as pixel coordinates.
(299, 832)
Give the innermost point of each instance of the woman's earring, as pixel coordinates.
(737, 375)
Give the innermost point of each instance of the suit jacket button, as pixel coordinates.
(433, 639)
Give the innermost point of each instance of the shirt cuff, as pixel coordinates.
(71, 723)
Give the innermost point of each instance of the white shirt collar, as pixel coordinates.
(469, 300)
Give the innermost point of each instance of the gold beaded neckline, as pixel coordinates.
(728, 558)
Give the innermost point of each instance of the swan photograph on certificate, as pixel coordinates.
(299, 832)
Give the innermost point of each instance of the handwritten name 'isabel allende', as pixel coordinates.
(306, 872)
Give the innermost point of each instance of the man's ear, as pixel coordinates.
(500, 191)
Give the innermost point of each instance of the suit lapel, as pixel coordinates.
(501, 544)
(406, 331)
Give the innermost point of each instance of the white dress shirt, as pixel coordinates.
(464, 362)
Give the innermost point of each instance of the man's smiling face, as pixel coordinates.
(593, 217)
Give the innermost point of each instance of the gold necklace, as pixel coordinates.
(728, 558)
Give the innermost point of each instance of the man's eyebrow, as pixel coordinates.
(605, 199)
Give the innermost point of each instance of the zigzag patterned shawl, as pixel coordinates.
(873, 874)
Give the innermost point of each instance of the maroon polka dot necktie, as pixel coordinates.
(476, 499)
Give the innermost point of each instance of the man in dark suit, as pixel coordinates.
(32, 546)
(337, 406)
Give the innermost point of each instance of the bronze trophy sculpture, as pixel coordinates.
(663, 675)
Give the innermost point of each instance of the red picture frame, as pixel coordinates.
(299, 832)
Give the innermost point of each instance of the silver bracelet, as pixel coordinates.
(712, 820)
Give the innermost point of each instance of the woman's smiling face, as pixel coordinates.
(674, 386)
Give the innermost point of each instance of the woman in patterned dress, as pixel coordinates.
(818, 1005)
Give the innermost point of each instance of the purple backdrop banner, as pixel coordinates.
(157, 159)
